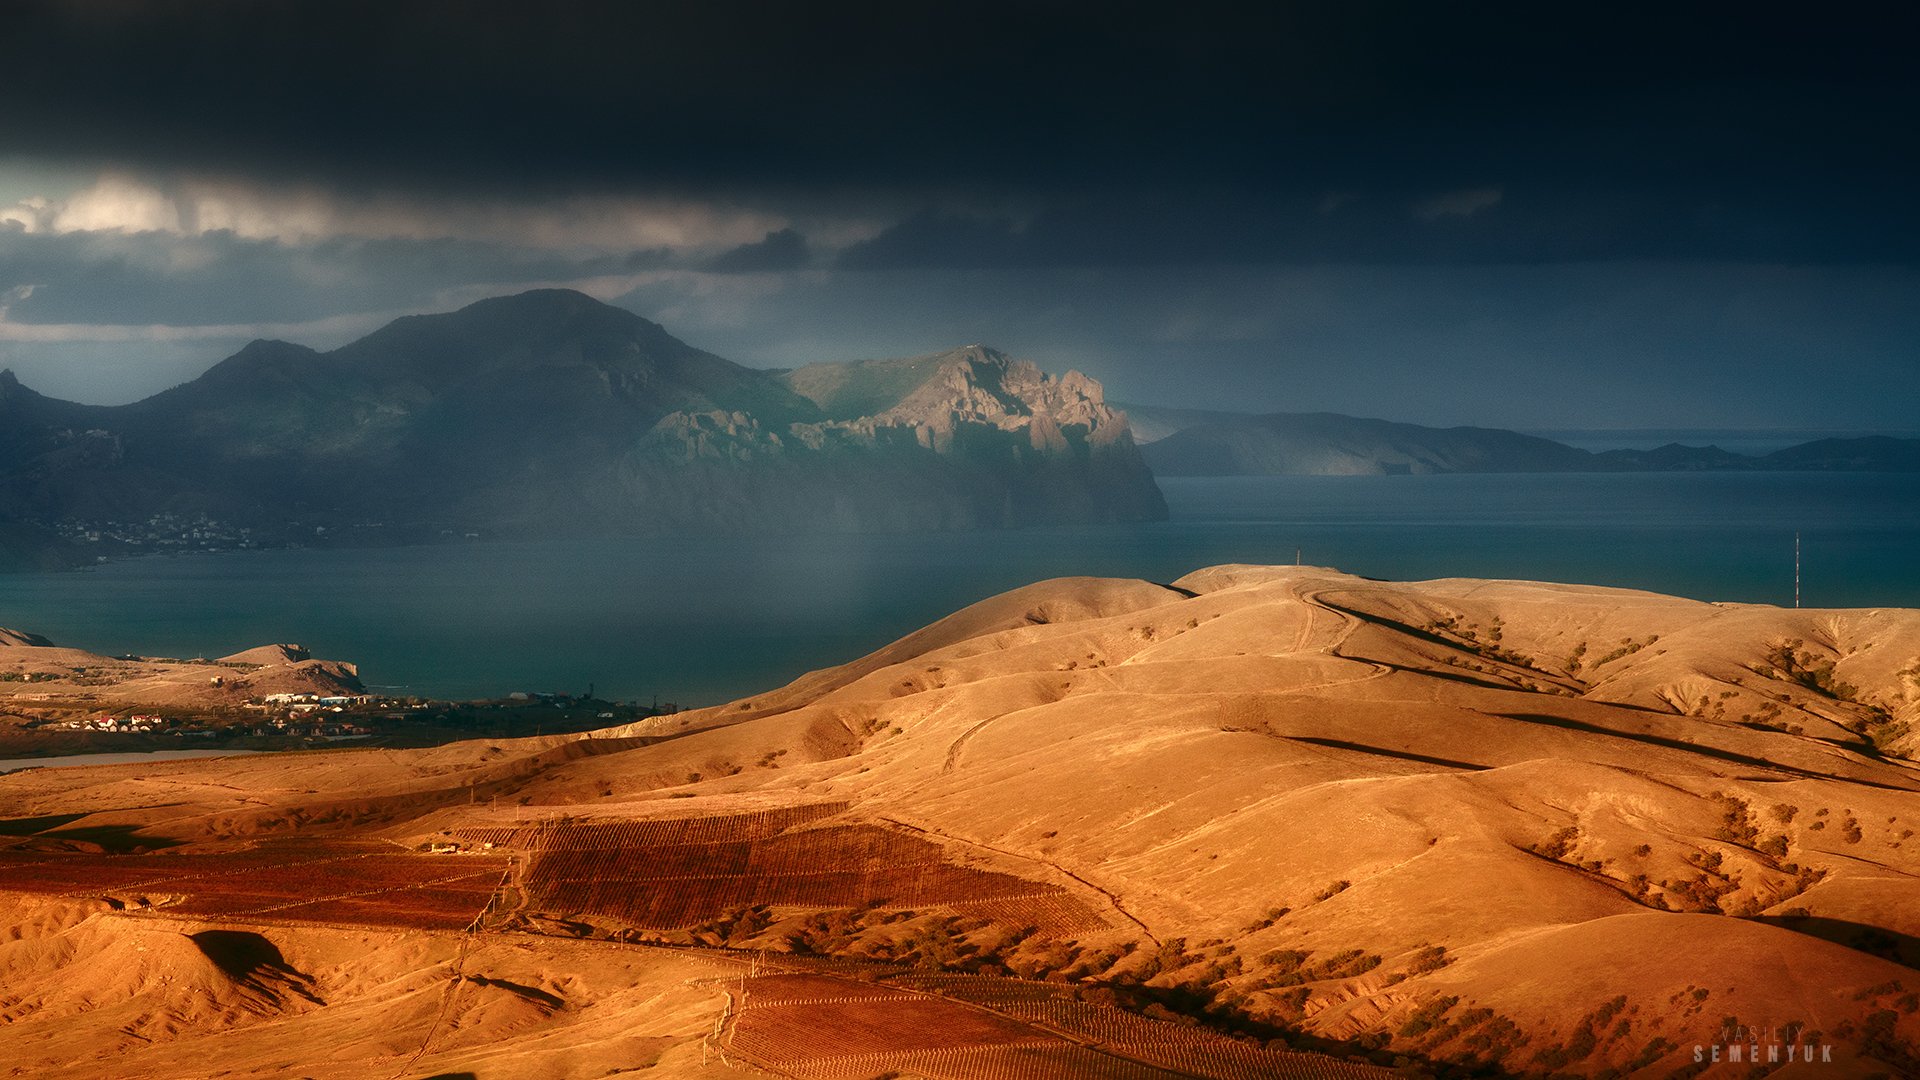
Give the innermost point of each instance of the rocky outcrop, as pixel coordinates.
(958, 440)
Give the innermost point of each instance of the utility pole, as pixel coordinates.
(1296, 556)
(1796, 569)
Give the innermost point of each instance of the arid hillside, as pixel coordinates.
(1255, 822)
(37, 675)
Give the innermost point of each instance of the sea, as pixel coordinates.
(700, 620)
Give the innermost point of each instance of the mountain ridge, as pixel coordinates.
(1325, 443)
(516, 411)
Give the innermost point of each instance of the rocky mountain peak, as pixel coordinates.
(976, 384)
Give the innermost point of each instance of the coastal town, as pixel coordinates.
(157, 533)
(168, 533)
(56, 700)
(311, 715)
(312, 721)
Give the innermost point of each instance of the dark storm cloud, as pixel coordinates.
(1617, 130)
(783, 249)
(1579, 215)
(936, 238)
(1479, 224)
(217, 278)
(1557, 346)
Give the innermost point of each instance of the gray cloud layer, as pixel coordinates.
(1417, 210)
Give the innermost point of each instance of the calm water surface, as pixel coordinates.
(703, 620)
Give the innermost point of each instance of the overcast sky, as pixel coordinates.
(1528, 215)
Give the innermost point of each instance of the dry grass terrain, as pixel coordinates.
(1256, 822)
(38, 676)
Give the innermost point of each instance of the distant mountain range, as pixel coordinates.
(1330, 444)
(1151, 423)
(550, 411)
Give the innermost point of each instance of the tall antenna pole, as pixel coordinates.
(1796, 569)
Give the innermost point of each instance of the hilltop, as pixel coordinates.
(39, 675)
(1471, 824)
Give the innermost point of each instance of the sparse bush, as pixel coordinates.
(1284, 961)
(1289, 967)
(1294, 1000)
(1736, 822)
(1272, 916)
(1424, 1018)
(1703, 891)
(1557, 846)
(1809, 670)
(1430, 959)
(1850, 829)
(1585, 1038)
(1494, 1039)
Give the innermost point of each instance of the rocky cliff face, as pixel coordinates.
(513, 412)
(941, 397)
(964, 439)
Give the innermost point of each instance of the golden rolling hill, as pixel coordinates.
(1261, 821)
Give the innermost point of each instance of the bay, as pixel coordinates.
(699, 620)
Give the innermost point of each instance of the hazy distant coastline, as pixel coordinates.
(1183, 442)
(522, 415)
